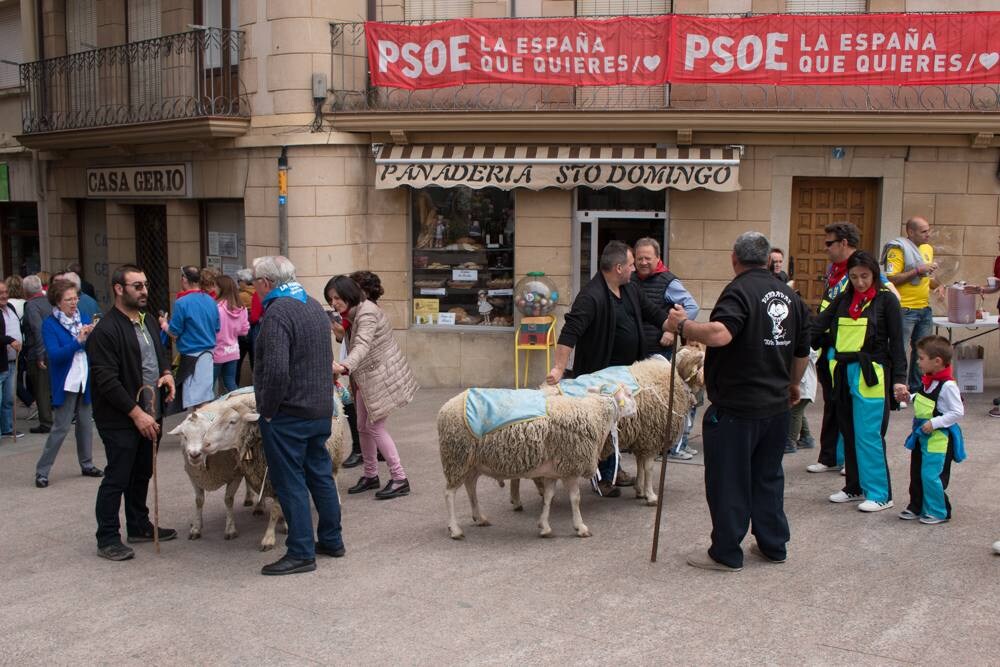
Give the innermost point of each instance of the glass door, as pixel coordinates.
(595, 229)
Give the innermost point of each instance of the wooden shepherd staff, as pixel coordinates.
(668, 443)
(13, 420)
(146, 399)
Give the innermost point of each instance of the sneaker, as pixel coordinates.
(806, 442)
(679, 456)
(41, 481)
(790, 447)
(929, 520)
(874, 505)
(844, 497)
(819, 467)
(843, 471)
(692, 452)
(702, 560)
(166, 534)
(607, 489)
(907, 515)
(15, 434)
(116, 551)
(755, 550)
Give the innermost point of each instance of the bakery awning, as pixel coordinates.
(565, 167)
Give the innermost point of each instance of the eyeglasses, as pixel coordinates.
(138, 287)
(830, 243)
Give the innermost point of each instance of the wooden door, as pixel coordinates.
(817, 202)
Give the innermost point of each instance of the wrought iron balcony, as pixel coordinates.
(191, 75)
(353, 92)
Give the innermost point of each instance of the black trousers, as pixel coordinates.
(352, 422)
(744, 483)
(829, 431)
(129, 469)
(917, 483)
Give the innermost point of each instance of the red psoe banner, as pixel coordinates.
(852, 49)
(625, 51)
(774, 49)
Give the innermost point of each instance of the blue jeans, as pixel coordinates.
(917, 323)
(299, 465)
(8, 382)
(227, 371)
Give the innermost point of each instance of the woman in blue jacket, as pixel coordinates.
(65, 335)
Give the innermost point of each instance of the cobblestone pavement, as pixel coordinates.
(857, 589)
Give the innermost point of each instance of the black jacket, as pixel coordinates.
(116, 367)
(589, 326)
(5, 340)
(655, 288)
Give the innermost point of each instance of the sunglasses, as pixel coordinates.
(137, 286)
(830, 243)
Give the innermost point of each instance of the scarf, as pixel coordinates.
(290, 289)
(837, 272)
(660, 268)
(859, 301)
(912, 259)
(942, 375)
(70, 324)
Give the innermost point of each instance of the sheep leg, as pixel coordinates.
(267, 542)
(453, 529)
(648, 464)
(199, 503)
(515, 495)
(573, 485)
(470, 488)
(640, 476)
(543, 521)
(231, 488)
(248, 495)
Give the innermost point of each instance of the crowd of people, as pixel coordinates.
(868, 347)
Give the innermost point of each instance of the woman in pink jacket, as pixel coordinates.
(233, 323)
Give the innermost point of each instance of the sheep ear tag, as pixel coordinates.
(251, 417)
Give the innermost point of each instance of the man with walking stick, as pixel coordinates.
(125, 356)
(758, 347)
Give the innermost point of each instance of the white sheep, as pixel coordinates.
(563, 444)
(208, 472)
(235, 429)
(644, 433)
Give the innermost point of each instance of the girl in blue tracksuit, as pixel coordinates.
(863, 327)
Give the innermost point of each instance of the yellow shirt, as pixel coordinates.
(910, 295)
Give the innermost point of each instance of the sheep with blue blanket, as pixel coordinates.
(510, 433)
(643, 434)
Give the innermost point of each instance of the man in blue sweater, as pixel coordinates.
(193, 326)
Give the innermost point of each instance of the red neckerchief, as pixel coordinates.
(344, 322)
(660, 268)
(186, 292)
(942, 375)
(837, 272)
(859, 300)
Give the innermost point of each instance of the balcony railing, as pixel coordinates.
(352, 92)
(188, 75)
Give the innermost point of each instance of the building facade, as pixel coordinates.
(154, 130)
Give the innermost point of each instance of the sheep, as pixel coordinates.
(236, 429)
(644, 434)
(210, 472)
(563, 444)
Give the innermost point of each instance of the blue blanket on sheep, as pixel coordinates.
(612, 375)
(486, 410)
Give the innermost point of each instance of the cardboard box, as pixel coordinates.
(969, 375)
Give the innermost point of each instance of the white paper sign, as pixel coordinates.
(509, 291)
(471, 275)
(213, 262)
(446, 318)
(433, 291)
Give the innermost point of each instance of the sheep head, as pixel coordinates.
(691, 366)
(192, 431)
(226, 430)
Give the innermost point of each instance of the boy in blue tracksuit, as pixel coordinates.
(936, 439)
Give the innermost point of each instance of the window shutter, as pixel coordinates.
(622, 7)
(143, 19)
(81, 26)
(416, 10)
(832, 6)
(10, 45)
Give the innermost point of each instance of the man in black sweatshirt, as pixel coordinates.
(293, 382)
(125, 355)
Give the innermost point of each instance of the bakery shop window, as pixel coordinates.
(463, 257)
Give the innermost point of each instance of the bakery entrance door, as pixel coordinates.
(594, 229)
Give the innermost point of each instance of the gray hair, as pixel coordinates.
(72, 277)
(752, 249)
(244, 276)
(649, 241)
(275, 268)
(613, 254)
(31, 285)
